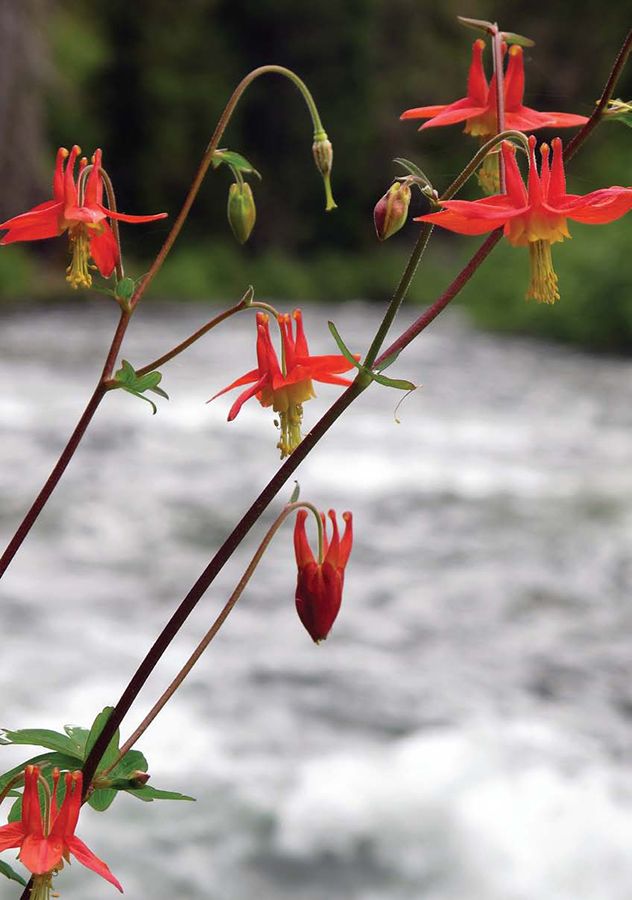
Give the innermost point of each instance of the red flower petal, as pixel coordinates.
(87, 858)
(11, 835)
(104, 250)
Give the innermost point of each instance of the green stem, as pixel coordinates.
(208, 156)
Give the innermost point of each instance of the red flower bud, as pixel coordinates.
(390, 212)
(319, 584)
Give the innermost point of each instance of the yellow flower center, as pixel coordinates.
(77, 273)
(288, 402)
(290, 427)
(483, 126)
(543, 283)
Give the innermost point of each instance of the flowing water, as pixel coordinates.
(466, 731)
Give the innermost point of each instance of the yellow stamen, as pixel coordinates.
(488, 175)
(42, 885)
(543, 284)
(290, 426)
(77, 273)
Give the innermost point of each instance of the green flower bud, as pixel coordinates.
(391, 210)
(323, 154)
(241, 210)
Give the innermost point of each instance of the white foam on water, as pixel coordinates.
(491, 812)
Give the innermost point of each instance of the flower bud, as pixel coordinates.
(391, 210)
(241, 210)
(323, 154)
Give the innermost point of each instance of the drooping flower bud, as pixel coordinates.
(319, 584)
(323, 154)
(242, 211)
(391, 210)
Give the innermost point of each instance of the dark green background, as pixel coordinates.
(146, 81)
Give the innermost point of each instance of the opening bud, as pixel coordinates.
(323, 153)
(241, 211)
(391, 210)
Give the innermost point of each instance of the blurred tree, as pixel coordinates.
(24, 70)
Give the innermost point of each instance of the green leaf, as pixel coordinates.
(11, 874)
(128, 380)
(235, 161)
(78, 736)
(15, 813)
(148, 794)
(111, 751)
(39, 737)
(45, 761)
(413, 169)
(133, 761)
(510, 37)
(399, 383)
(620, 111)
(102, 798)
(477, 24)
(125, 288)
(348, 355)
(296, 493)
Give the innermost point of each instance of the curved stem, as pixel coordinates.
(424, 237)
(210, 634)
(272, 488)
(222, 556)
(69, 450)
(208, 156)
(166, 357)
(615, 73)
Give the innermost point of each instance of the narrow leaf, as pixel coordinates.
(510, 37)
(388, 361)
(399, 383)
(11, 874)
(348, 355)
(234, 160)
(412, 168)
(148, 794)
(477, 24)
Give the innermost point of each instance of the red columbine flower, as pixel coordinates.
(84, 218)
(286, 386)
(478, 108)
(47, 839)
(319, 584)
(534, 216)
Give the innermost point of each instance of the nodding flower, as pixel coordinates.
(45, 833)
(80, 213)
(285, 386)
(319, 583)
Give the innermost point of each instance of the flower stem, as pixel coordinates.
(166, 357)
(208, 156)
(69, 450)
(615, 73)
(274, 486)
(497, 54)
(215, 627)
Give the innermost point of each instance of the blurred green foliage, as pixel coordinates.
(147, 82)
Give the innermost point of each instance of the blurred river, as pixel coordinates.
(466, 731)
